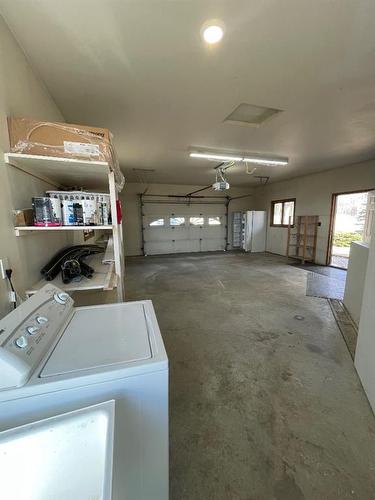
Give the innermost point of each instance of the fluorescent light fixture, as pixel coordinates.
(254, 159)
(263, 161)
(210, 156)
(213, 34)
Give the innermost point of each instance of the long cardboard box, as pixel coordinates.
(59, 139)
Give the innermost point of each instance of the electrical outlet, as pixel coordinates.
(4, 265)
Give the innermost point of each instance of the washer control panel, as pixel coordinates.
(27, 333)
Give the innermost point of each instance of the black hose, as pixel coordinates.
(52, 268)
(70, 270)
(51, 263)
(65, 276)
(86, 270)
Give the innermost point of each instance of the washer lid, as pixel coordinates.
(101, 336)
(66, 456)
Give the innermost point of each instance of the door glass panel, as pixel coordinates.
(277, 211)
(288, 212)
(177, 221)
(196, 221)
(349, 225)
(214, 221)
(157, 222)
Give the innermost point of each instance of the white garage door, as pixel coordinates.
(178, 228)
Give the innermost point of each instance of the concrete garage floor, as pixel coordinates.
(263, 406)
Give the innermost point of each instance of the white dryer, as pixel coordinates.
(55, 358)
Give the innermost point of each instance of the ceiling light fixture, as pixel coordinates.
(213, 34)
(264, 161)
(209, 156)
(245, 159)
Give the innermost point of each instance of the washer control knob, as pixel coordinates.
(32, 330)
(21, 342)
(41, 320)
(61, 297)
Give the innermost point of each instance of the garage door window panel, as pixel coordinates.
(214, 221)
(156, 222)
(196, 221)
(176, 221)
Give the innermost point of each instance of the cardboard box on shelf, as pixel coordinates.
(24, 217)
(59, 139)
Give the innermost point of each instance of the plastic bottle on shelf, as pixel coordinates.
(103, 210)
(78, 209)
(43, 212)
(68, 210)
(90, 209)
(56, 208)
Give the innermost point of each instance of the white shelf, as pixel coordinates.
(109, 253)
(104, 278)
(27, 229)
(62, 172)
(90, 175)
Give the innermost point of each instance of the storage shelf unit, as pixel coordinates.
(299, 246)
(302, 237)
(62, 173)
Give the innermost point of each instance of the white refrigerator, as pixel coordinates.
(254, 229)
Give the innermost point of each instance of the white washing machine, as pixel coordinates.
(55, 358)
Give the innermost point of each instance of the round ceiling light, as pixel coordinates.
(213, 34)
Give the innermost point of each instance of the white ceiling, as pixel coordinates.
(140, 68)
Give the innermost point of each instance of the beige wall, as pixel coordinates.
(21, 94)
(313, 195)
(132, 211)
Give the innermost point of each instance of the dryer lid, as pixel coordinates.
(101, 336)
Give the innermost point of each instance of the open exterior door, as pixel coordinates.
(351, 220)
